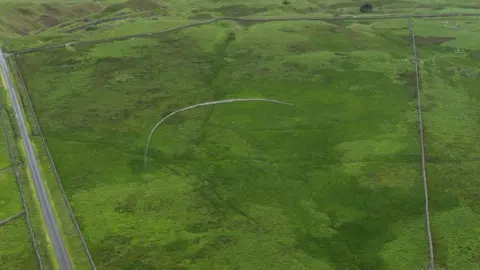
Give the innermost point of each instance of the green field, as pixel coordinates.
(450, 96)
(333, 183)
(16, 251)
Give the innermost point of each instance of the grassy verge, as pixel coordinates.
(34, 25)
(333, 183)
(450, 54)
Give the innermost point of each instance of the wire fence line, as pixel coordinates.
(10, 219)
(247, 20)
(52, 163)
(422, 146)
(22, 194)
(6, 169)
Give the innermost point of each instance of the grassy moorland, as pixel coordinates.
(333, 183)
(450, 50)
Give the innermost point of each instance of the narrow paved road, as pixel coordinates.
(47, 212)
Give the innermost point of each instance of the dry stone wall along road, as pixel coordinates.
(45, 206)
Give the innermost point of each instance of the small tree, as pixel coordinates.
(367, 7)
(232, 36)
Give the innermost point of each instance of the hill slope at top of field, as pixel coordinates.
(132, 5)
(24, 17)
(21, 18)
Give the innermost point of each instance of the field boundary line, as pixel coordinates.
(22, 194)
(6, 169)
(422, 146)
(252, 20)
(52, 163)
(11, 168)
(10, 219)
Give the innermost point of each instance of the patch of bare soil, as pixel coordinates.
(48, 21)
(239, 10)
(201, 16)
(24, 11)
(87, 8)
(51, 9)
